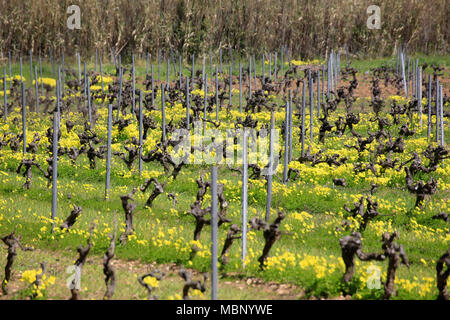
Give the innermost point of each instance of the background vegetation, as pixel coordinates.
(306, 28)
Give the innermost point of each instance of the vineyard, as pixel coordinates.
(318, 179)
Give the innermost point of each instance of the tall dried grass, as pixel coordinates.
(307, 28)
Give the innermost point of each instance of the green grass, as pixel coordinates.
(25, 209)
(362, 65)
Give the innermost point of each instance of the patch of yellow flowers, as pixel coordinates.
(152, 282)
(29, 276)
